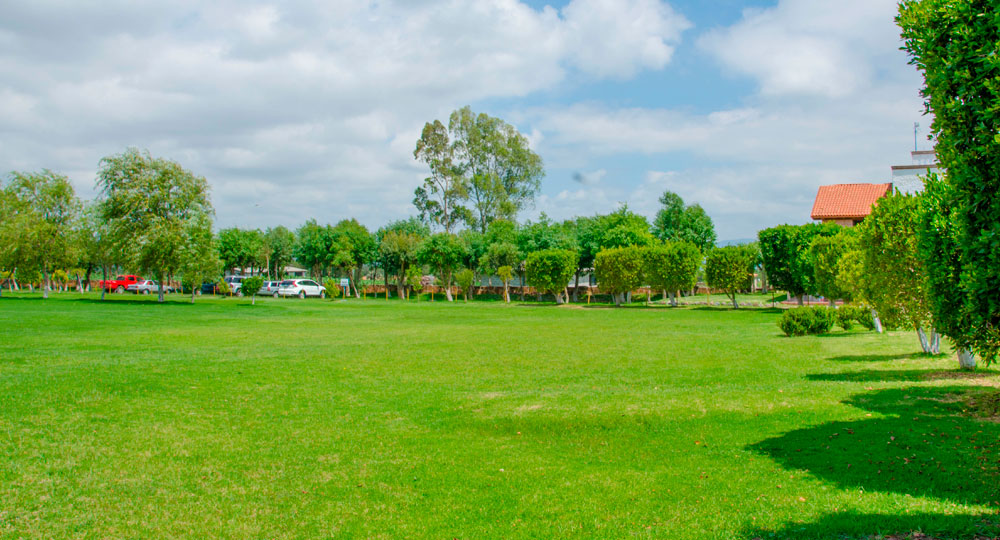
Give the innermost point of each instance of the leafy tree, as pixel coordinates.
(730, 269)
(672, 267)
(314, 244)
(505, 273)
(895, 275)
(670, 216)
(439, 200)
(199, 254)
(786, 254)
(398, 244)
(675, 221)
(240, 248)
(38, 228)
(550, 270)
(503, 173)
(541, 235)
(415, 279)
(939, 250)
(149, 204)
(277, 243)
(443, 252)
(251, 286)
(465, 278)
(954, 43)
(353, 247)
(619, 271)
(826, 252)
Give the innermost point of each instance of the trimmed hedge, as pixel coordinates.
(806, 321)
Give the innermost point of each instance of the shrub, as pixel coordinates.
(465, 279)
(223, 288)
(846, 317)
(332, 287)
(550, 270)
(619, 270)
(802, 321)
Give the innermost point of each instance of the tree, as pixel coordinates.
(505, 273)
(199, 254)
(786, 254)
(398, 244)
(697, 228)
(277, 244)
(669, 217)
(443, 252)
(251, 286)
(730, 269)
(313, 245)
(149, 205)
(503, 173)
(415, 279)
(619, 271)
(439, 199)
(954, 44)
(896, 279)
(354, 247)
(550, 270)
(465, 278)
(939, 250)
(672, 267)
(39, 228)
(240, 248)
(826, 252)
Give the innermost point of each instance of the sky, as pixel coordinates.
(311, 109)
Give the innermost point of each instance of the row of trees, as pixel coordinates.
(151, 215)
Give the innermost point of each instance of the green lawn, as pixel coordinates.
(375, 419)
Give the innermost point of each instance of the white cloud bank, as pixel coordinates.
(306, 108)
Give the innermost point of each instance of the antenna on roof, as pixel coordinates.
(916, 126)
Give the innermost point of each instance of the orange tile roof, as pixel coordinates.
(847, 201)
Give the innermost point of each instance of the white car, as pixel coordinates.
(235, 284)
(301, 288)
(269, 288)
(145, 286)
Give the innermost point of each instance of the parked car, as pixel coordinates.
(147, 286)
(235, 284)
(301, 288)
(209, 287)
(269, 288)
(119, 284)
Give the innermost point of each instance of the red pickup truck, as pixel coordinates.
(119, 284)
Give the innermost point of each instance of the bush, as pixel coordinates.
(803, 321)
(252, 286)
(223, 288)
(332, 287)
(846, 317)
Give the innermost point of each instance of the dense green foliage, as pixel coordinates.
(550, 270)
(787, 257)
(619, 271)
(826, 253)
(730, 269)
(808, 321)
(956, 44)
(672, 266)
(677, 222)
(442, 252)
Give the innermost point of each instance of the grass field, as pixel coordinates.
(322, 419)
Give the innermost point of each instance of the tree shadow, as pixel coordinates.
(907, 375)
(857, 525)
(924, 443)
(874, 357)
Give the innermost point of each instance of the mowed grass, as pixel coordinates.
(375, 419)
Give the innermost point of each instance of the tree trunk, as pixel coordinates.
(576, 287)
(522, 286)
(732, 297)
(966, 359)
(447, 287)
(104, 283)
(801, 299)
(673, 298)
(506, 292)
(877, 321)
(253, 299)
(45, 283)
(159, 282)
(192, 293)
(558, 295)
(833, 303)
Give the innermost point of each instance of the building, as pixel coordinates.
(910, 178)
(847, 204)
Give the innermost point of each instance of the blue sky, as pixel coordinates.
(309, 109)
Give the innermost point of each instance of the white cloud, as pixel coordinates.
(311, 106)
(810, 48)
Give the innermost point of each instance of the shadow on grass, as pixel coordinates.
(855, 525)
(874, 357)
(927, 444)
(908, 375)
